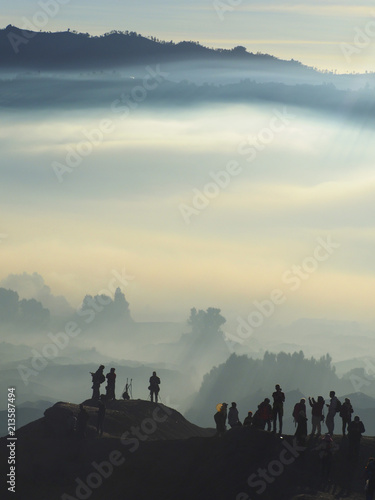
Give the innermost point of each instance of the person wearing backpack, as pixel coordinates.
(346, 414)
(97, 379)
(278, 408)
(265, 414)
(334, 406)
(316, 414)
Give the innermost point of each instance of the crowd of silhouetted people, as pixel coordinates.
(269, 417)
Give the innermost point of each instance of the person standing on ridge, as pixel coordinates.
(97, 379)
(278, 408)
(316, 415)
(300, 418)
(111, 380)
(154, 387)
(346, 414)
(233, 419)
(265, 413)
(332, 408)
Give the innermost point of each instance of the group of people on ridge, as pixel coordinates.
(98, 378)
(270, 417)
(78, 424)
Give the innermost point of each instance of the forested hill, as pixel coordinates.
(248, 381)
(72, 50)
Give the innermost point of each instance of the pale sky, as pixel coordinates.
(134, 202)
(120, 209)
(311, 31)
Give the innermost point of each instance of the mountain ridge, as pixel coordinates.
(69, 49)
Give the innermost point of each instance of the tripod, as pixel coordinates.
(128, 391)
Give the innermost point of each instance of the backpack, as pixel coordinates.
(338, 406)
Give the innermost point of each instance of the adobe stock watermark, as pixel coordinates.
(363, 37)
(131, 439)
(48, 10)
(293, 278)
(264, 476)
(72, 329)
(221, 7)
(124, 106)
(248, 148)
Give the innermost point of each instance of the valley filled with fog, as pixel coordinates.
(206, 220)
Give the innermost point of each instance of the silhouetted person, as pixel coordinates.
(224, 407)
(233, 419)
(299, 415)
(154, 387)
(346, 414)
(111, 380)
(101, 416)
(355, 431)
(332, 407)
(370, 478)
(97, 379)
(249, 419)
(278, 408)
(265, 413)
(82, 419)
(220, 417)
(316, 415)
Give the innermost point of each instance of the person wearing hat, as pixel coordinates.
(278, 408)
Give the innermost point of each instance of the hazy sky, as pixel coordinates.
(311, 31)
(132, 205)
(282, 187)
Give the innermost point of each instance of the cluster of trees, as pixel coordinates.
(248, 381)
(116, 309)
(30, 313)
(25, 312)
